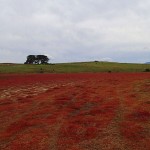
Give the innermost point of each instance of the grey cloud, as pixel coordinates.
(74, 30)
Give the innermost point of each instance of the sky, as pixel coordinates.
(75, 30)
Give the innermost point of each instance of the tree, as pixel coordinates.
(30, 59)
(42, 59)
(37, 59)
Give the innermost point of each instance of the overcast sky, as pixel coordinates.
(75, 30)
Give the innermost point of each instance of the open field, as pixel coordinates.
(74, 67)
(85, 111)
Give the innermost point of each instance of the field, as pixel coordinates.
(82, 111)
(74, 67)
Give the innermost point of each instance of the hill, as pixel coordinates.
(74, 67)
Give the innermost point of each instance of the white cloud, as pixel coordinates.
(106, 59)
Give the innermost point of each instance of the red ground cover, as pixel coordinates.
(85, 111)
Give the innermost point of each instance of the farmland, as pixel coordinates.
(83, 111)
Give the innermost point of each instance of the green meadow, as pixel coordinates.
(75, 67)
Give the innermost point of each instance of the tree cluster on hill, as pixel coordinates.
(37, 59)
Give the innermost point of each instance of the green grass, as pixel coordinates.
(74, 67)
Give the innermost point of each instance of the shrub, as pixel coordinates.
(147, 70)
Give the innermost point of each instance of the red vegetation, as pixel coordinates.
(75, 111)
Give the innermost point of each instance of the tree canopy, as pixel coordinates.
(37, 59)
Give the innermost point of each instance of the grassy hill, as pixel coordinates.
(74, 67)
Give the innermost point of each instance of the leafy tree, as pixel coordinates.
(30, 59)
(42, 59)
(37, 59)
